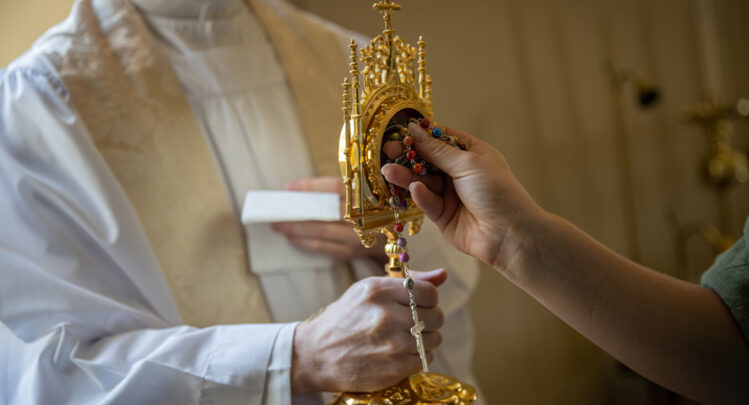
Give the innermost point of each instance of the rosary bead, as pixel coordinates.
(395, 136)
(411, 154)
(408, 141)
(398, 227)
(401, 242)
(404, 257)
(404, 131)
(437, 132)
(424, 123)
(423, 172)
(417, 168)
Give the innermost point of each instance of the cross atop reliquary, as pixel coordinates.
(386, 7)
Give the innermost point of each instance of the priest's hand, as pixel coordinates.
(336, 239)
(477, 203)
(362, 341)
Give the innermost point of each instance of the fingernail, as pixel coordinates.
(382, 169)
(416, 131)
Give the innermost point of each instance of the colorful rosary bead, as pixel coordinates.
(401, 242)
(417, 168)
(411, 154)
(395, 136)
(424, 123)
(398, 227)
(408, 141)
(436, 132)
(404, 257)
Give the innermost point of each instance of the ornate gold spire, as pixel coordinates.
(386, 7)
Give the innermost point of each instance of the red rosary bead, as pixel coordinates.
(424, 123)
(417, 168)
(411, 154)
(398, 227)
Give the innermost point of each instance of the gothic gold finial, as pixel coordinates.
(356, 121)
(346, 99)
(347, 148)
(386, 7)
(354, 62)
(422, 67)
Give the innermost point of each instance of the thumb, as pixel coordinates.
(435, 151)
(436, 277)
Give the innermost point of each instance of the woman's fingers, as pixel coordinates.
(402, 176)
(431, 203)
(434, 151)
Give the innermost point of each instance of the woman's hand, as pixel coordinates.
(476, 202)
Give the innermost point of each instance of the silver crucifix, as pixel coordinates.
(418, 325)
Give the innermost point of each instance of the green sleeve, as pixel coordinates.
(729, 278)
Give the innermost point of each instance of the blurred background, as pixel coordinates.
(627, 118)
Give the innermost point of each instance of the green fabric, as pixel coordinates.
(729, 277)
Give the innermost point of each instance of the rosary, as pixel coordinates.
(409, 159)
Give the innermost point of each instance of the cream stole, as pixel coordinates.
(132, 103)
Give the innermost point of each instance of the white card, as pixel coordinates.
(265, 206)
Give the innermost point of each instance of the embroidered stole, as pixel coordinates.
(132, 103)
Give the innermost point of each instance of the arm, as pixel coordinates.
(677, 334)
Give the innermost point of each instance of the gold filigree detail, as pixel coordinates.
(387, 61)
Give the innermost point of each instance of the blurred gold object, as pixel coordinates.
(391, 88)
(725, 166)
(419, 389)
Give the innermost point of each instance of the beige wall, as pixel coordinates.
(21, 22)
(524, 75)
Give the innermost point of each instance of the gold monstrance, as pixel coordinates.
(394, 92)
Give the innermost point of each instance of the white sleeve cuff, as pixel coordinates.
(249, 364)
(278, 384)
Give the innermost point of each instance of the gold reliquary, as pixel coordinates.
(382, 96)
(388, 88)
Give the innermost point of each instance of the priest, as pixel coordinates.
(129, 134)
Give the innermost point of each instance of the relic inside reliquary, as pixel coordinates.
(388, 89)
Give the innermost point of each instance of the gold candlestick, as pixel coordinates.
(391, 91)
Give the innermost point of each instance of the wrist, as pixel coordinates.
(302, 366)
(520, 245)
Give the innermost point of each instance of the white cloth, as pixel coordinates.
(85, 314)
